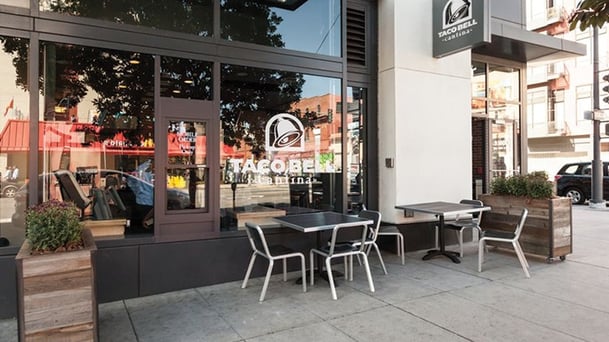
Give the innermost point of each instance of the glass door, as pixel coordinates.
(183, 170)
(356, 166)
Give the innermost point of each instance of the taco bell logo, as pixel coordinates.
(284, 132)
(456, 11)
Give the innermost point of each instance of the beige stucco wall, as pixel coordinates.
(424, 113)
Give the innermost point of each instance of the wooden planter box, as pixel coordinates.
(57, 294)
(547, 230)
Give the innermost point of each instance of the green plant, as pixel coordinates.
(533, 185)
(53, 226)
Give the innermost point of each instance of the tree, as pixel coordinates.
(589, 13)
(125, 91)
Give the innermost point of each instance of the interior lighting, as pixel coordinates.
(135, 59)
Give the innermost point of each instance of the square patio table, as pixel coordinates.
(441, 210)
(318, 222)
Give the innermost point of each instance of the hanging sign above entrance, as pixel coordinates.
(459, 25)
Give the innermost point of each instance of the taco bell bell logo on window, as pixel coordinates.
(284, 132)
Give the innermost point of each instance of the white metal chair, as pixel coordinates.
(503, 236)
(462, 222)
(272, 253)
(370, 242)
(391, 231)
(394, 231)
(342, 250)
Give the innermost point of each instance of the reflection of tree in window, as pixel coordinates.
(123, 82)
(18, 47)
(251, 96)
(250, 21)
(192, 16)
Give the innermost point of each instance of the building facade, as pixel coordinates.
(180, 121)
(559, 92)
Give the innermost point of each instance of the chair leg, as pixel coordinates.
(460, 238)
(269, 271)
(331, 278)
(249, 270)
(397, 245)
(481, 245)
(368, 274)
(346, 264)
(522, 253)
(351, 267)
(400, 239)
(312, 266)
(285, 266)
(521, 258)
(303, 270)
(378, 252)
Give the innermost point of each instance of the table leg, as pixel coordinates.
(433, 253)
(318, 260)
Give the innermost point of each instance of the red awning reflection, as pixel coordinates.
(57, 135)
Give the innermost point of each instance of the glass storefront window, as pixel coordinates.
(503, 85)
(356, 116)
(496, 100)
(14, 139)
(97, 132)
(281, 144)
(186, 78)
(194, 16)
(186, 172)
(478, 88)
(284, 24)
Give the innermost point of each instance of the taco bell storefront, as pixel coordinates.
(180, 123)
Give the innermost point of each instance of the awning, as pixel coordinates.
(52, 135)
(57, 135)
(517, 44)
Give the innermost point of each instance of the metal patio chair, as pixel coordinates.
(370, 242)
(271, 253)
(341, 250)
(392, 231)
(503, 236)
(463, 222)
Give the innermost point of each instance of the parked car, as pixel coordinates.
(574, 180)
(9, 188)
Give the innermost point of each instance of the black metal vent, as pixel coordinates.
(356, 37)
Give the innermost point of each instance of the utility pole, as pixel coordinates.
(597, 164)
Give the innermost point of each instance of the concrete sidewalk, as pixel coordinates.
(432, 300)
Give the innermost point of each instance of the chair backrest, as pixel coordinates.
(101, 209)
(257, 239)
(71, 190)
(116, 198)
(520, 225)
(375, 216)
(477, 215)
(340, 228)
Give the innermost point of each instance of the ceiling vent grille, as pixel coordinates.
(356, 37)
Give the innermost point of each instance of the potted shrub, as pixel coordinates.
(55, 275)
(548, 228)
